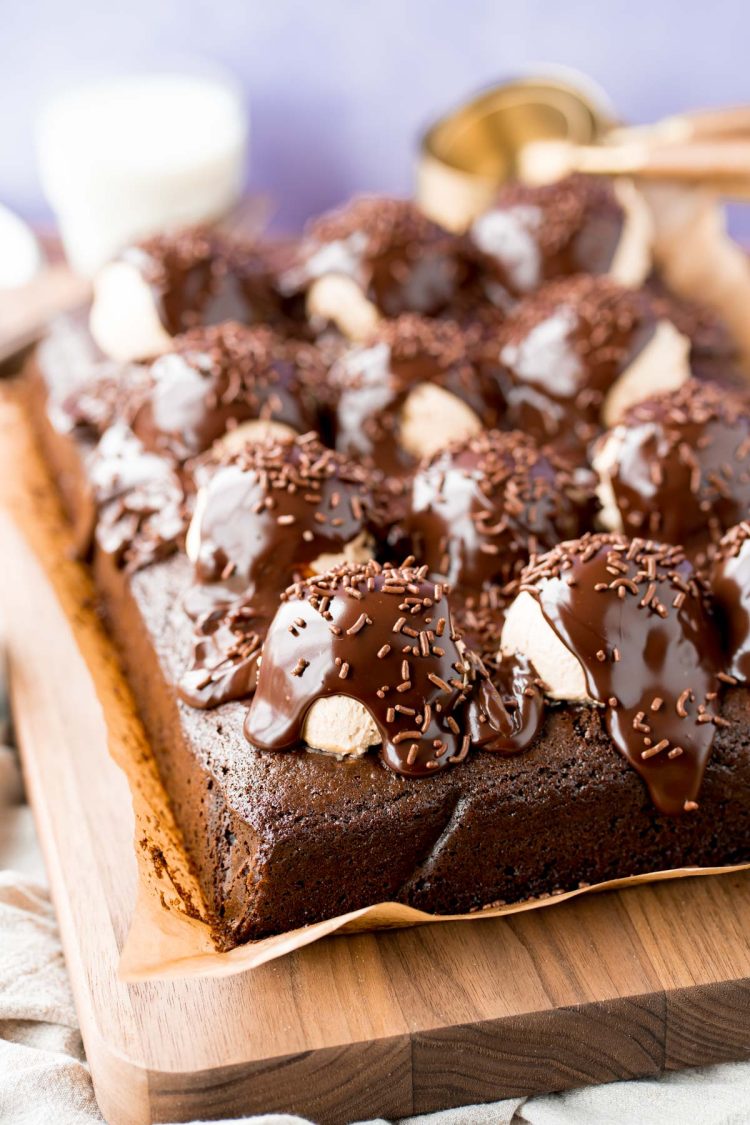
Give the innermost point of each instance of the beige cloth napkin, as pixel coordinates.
(44, 1079)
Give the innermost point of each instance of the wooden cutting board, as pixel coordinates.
(610, 986)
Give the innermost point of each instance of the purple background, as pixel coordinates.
(339, 90)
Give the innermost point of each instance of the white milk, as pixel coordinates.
(127, 157)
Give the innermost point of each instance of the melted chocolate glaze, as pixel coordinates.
(534, 234)
(268, 513)
(562, 350)
(375, 381)
(402, 261)
(635, 615)
(730, 585)
(481, 508)
(480, 615)
(226, 648)
(384, 637)
(276, 506)
(683, 465)
(111, 393)
(509, 709)
(142, 508)
(713, 352)
(198, 276)
(221, 376)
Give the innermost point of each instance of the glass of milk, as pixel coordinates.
(128, 156)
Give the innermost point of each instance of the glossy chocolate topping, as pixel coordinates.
(375, 381)
(480, 615)
(562, 350)
(221, 376)
(110, 393)
(276, 506)
(142, 510)
(481, 508)
(402, 261)
(227, 643)
(384, 637)
(730, 586)
(635, 616)
(198, 276)
(713, 352)
(682, 467)
(533, 234)
(264, 517)
(508, 711)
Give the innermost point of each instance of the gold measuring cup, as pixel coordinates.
(467, 154)
(540, 129)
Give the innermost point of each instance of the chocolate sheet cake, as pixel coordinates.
(548, 691)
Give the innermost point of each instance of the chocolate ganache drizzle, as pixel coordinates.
(401, 260)
(730, 585)
(563, 348)
(218, 377)
(679, 465)
(374, 383)
(227, 644)
(384, 637)
(198, 276)
(142, 511)
(265, 515)
(714, 353)
(533, 234)
(635, 616)
(482, 507)
(111, 392)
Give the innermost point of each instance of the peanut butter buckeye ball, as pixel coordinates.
(714, 353)
(624, 624)
(582, 224)
(232, 384)
(140, 506)
(576, 354)
(367, 656)
(269, 508)
(481, 507)
(265, 514)
(103, 394)
(377, 257)
(411, 390)
(730, 586)
(110, 392)
(167, 284)
(678, 466)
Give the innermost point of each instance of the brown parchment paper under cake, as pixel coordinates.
(168, 935)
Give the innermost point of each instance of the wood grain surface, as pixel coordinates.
(610, 986)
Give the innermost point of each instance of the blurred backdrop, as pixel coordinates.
(338, 90)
